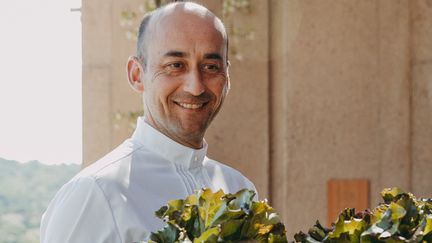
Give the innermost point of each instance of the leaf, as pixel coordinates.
(260, 207)
(385, 223)
(253, 224)
(318, 232)
(348, 227)
(161, 212)
(304, 238)
(191, 200)
(427, 232)
(428, 227)
(231, 230)
(241, 200)
(378, 213)
(171, 210)
(225, 214)
(194, 226)
(264, 229)
(392, 231)
(175, 205)
(208, 236)
(168, 234)
(210, 203)
(275, 238)
(389, 194)
(397, 211)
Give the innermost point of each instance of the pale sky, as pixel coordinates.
(40, 81)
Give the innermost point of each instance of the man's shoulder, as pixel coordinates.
(103, 176)
(111, 162)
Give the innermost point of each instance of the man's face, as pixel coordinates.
(185, 76)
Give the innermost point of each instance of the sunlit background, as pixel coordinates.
(40, 81)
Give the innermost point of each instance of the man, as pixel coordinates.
(181, 68)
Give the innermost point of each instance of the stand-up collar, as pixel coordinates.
(167, 148)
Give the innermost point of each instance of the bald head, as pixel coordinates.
(178, 13)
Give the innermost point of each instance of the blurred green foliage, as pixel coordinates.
(25, 191)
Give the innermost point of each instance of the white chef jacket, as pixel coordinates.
(114, 199)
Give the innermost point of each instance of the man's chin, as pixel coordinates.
(190, 138)
(194, 125)
(192, 130)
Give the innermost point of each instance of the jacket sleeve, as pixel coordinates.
(79, 213)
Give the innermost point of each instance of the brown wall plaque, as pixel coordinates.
(346, 193)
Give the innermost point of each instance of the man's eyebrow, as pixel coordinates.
(213, 56)
(175, 54)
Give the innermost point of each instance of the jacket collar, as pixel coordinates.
(160, 144)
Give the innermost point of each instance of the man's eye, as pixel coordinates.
(175, 66)
(211, 68)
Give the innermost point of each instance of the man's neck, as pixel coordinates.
(191, 143)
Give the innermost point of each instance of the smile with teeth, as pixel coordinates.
(190, 106)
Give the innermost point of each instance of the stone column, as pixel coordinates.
(97, 78)
(421, 98)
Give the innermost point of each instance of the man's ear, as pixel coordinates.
(228, 78)
(135, 72)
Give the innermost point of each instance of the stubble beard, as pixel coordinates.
(191, 131)
(185, 131)
(181, 128)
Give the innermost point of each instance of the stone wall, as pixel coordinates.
(421, 100)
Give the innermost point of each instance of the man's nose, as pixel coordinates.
(193, 83)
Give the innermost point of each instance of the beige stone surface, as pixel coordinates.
(343, 83)
(96, 25)
(422, 131)
(394, 119)
(422, 98)
(124, 99)
(283, 32)
(97, 42)
(96, 107)
(332, 129)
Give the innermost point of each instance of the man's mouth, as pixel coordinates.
(191, 106)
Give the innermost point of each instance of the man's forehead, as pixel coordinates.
(186, 27)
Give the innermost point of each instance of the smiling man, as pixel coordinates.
(181, 69)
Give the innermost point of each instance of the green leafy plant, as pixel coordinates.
(217, 217)
(400, 218)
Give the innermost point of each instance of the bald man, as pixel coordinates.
(181, 70)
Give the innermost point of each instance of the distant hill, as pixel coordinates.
(25, 191)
